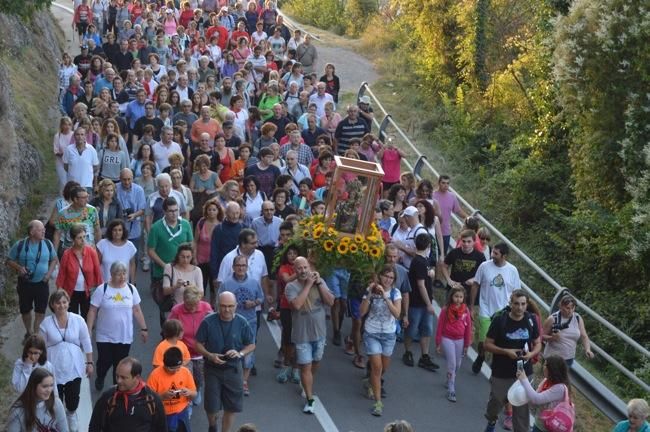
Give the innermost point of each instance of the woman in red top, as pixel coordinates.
(226, 156)
(135, 10)
(319, 171)
(187, 14)
(287, 274)
(79, 271)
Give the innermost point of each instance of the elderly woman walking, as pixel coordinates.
(113, 306)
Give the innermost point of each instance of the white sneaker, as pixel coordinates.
(73, 422)
(310, 407)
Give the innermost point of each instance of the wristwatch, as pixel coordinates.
(241, 354)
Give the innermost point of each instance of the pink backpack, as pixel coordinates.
(561, 417)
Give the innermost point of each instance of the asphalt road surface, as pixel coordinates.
(414, 394)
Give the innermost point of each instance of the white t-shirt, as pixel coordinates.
(497, 284)
(256, 265)
(81, 166)
(380, 319)
(112, 253)
(115, 313)
(161, 153)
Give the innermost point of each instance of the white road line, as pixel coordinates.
(65, 8)
(321, 413)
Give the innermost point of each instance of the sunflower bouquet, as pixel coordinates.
(332, 249)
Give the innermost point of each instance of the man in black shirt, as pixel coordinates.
(513, 337)
(464, 262)
(421, 310)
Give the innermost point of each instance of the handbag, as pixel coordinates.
(561, 417)
(164, 302)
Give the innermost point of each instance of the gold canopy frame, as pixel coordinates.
(350, 217)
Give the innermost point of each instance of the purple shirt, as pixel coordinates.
(448, 204)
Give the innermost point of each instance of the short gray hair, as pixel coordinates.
(118, 267)
(163, 177)
(638, 408)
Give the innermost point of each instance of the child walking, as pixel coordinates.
(454, 335)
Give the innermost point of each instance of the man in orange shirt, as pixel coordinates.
(174, 384)
(205, 124)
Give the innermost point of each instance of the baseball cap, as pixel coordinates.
(364, 100)
(173, 357)
(409, 211)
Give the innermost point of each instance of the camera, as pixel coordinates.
(520, 365)
(126, 212)
(555, 328)
(27, 276)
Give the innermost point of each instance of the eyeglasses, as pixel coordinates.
(240, 265)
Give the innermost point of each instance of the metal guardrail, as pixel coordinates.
(603, 398)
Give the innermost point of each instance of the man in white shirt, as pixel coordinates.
(496, 279)
(257, 269)
(296, 170)
(407, 246)
(165, 147)
(321, 98)
(80, 161)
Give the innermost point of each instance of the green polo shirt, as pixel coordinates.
(165, 241)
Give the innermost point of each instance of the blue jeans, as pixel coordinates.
(309, 352)
(420, 323)
(379, 343)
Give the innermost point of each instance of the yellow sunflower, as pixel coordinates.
(358, 238)
(328, 245)
(332, 232)
(345, 240)
(371, 238)
(375, 252)
(364, 247)
(354, 248)
(342, 248)
(318, 232)
(305, 234)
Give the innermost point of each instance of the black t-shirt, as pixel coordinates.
(514, 335)
(463, 266)
(215, 161)
(419, 270)
(143, 121)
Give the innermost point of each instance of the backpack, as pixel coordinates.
(111, 403)
(21, 244)
(561, 417)
(106, 284)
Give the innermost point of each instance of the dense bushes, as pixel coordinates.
(339, 16)
(544, 108)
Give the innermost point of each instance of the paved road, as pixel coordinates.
(413, 394)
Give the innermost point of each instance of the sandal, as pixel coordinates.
(358, 362)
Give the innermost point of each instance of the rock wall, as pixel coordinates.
(29, 53)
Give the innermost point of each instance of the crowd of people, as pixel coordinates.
(193, 138)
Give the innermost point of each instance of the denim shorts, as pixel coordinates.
(420, 323)
(379, 343)
(337, 282)
(309, 352)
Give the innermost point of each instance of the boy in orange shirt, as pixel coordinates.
(175, 385)
(172, 333)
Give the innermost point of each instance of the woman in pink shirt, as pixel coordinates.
(190, 313)
(391, 159)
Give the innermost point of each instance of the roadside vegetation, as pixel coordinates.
(539, 110)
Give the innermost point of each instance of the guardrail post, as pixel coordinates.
(382, 128)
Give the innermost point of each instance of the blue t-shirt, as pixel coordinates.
(244, 290)
(221, 336)
(28, 254)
